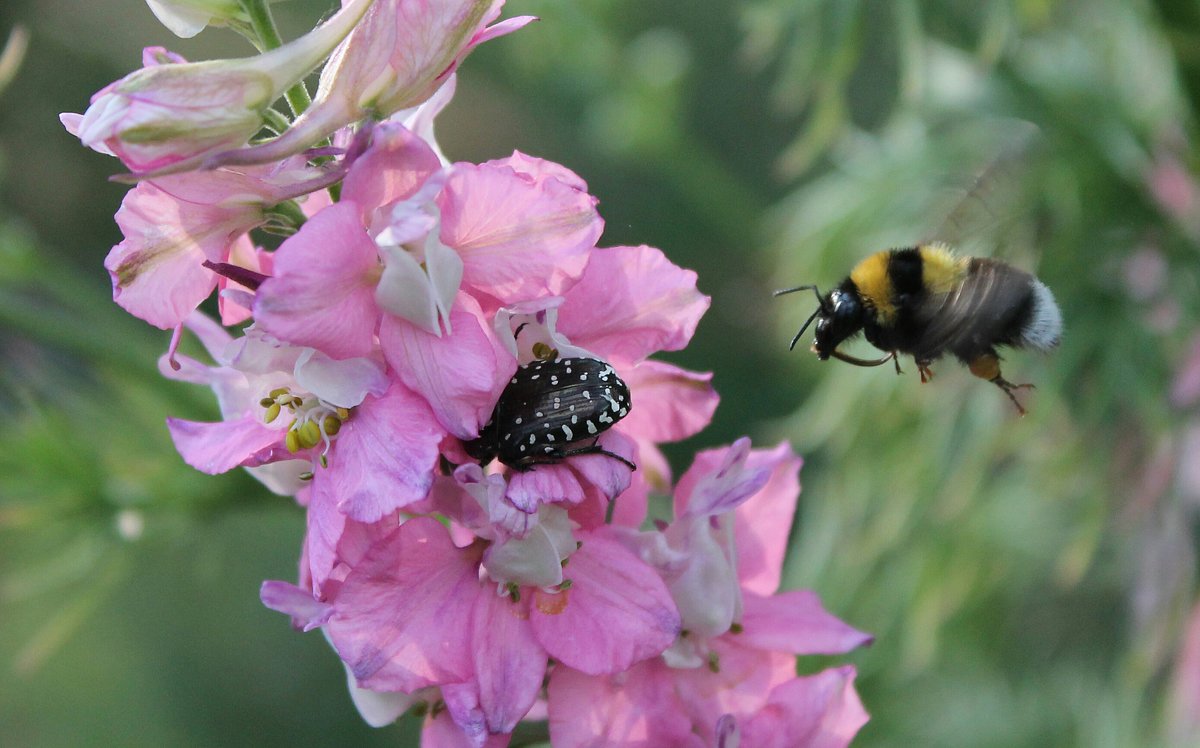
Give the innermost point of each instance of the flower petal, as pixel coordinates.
(672, 403)
(509, 662)
(795, 622)
(322, 293)
(549, 484)
(218, 447)
(617, 611)
(384, 456)
(635, 709)
(818, 711)
(520, 235)
(460, 375)
(390, 616)
(344, 383)
(300, 604)
(631, 302)
(392, 168)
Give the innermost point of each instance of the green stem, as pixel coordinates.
(267, 33)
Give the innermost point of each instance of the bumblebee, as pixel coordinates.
(926, 301)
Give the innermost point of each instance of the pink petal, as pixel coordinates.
(442, 730)
(606, 474)
(631, 302)
(520, 235)
(157, 271)
(509, 662)
(737, 681)
(763, 520)
(308, 612)
(384, 456)
(395, 616)
(672, 403)
(393, 167)
(631, 506)
(217, 447)
(322, 293)
(325, 525)
(544, 484)
(795, 622)
(634, 709)
(461, 375)
(617, 611)
(819, 711)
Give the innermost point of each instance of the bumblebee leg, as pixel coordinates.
(987, 366)
(896, 361)
(926, 372)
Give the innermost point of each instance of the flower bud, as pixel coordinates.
(167, 117)
(186, 18)
(398, 57)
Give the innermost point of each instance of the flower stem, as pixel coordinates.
(268, 37)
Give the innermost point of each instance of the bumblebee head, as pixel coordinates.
(840, 316)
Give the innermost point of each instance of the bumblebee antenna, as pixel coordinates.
(796, 339)
(820, 308)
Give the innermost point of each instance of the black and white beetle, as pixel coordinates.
(548, 412)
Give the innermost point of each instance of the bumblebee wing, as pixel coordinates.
(983, 311)
(977, 216)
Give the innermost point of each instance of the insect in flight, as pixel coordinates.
(550, 410)
(926, 301)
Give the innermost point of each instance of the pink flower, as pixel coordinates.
(169, 116)
(400, 54)
(414, 612)
(368, 443)
(418, 256)
(173, 224)
(733, 670)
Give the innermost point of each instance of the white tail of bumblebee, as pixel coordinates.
(1044, 329)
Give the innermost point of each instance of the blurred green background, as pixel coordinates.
(1030, 581)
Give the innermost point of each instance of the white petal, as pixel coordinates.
(406, 291)
(345, 382)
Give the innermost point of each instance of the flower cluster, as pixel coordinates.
(394, 332)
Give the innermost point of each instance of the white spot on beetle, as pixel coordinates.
(591, 427)
(605, 417)
(567, 432)
(531, 439)
(549, 437)
(517, 421)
